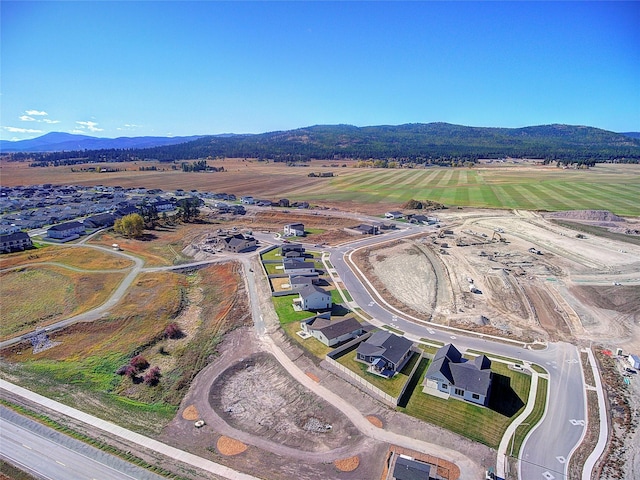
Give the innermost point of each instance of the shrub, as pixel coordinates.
(173, 331)
(152, 377)
(139, 363)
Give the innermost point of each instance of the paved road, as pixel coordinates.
(46, 453)
(546, 452)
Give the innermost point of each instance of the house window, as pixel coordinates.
(459, 392)
(445, 386)
(475, 396)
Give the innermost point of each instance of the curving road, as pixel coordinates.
(546, 452)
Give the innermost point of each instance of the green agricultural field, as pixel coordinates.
(609, 187)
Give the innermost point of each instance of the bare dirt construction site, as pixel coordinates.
(257, 396)
(516, 274)
(522, 275)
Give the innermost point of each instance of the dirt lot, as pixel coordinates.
(258, 396)
(564, 292)
(279, 421)
(577, 288)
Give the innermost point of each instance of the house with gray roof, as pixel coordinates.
(313, 298)
(331, 332)
(296, 266)
(385, 352)
(298, 282)
(13, 242)
(409, 469)
(294, 229)
(451, 376)
(66, 231)
(239, 243)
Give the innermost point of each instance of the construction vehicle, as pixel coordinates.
(496, 237)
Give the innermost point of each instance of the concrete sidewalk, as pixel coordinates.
(501, 463)
(134, 437)
(590, 463)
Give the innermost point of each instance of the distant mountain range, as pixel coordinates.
(423, 143)
(59, 141)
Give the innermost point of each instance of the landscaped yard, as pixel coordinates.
(312, 344)
(392, 386)
(285, 311)
(272, 255)
(510, 391)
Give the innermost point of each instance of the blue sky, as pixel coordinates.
(183, 68)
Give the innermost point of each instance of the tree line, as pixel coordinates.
(436, 143)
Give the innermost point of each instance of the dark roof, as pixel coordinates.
(295, 225)
(297, 263)
(66, 226)
(310, 290)
(9, 237)
(300, 280)
(387, 345)
(406, 469)
(474, 376)
(334, 328)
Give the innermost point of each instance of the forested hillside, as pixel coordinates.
(422, 143)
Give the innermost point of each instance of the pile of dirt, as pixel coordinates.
(347, 464)
(587, 215)
(191, 413)
(230, 446)
(375, 421)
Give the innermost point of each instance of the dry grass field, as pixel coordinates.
(36, 297)
(77, 257)
(524, 185)
(80, 369)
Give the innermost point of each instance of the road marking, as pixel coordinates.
(548, 475)
(27, 447)
(576, 423)
(561, 459)
(453, 337)
(431, 331)
(573, 360)
(371, 304)
(60, 463)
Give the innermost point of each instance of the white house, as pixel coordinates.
(247, 200)
(313, 298)
(66, 230)
(634, 361)
(393, 215)
(294, 229)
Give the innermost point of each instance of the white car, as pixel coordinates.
(199, 424)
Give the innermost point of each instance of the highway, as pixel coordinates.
(48, 454)
(544, 455)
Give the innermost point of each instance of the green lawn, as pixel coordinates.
(272, 255)
(272, 270)
(312, 345)
(392, 386)
(285, 311)
(510, 391)
(533, 418)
